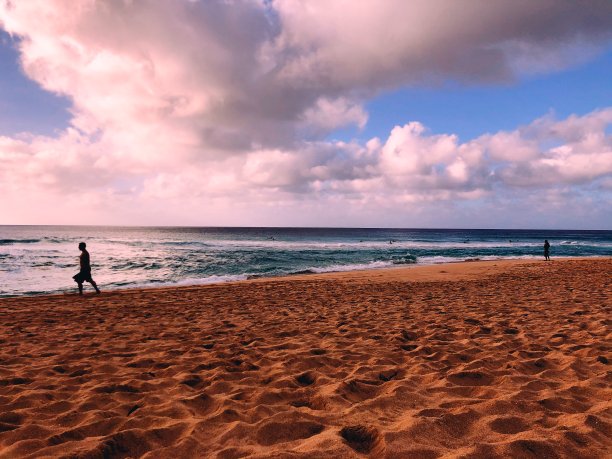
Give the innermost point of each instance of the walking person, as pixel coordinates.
(84, 275)
(546, 250)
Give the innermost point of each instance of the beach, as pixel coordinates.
(479, 359)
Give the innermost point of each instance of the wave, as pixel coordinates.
(434, 260)
(437, 259)
(585, 243)
(185, 243)
(379, 264)
(181, 283)
(349, 267)
(18, 241)
(279, 245)
(403, 259)
(56, 240)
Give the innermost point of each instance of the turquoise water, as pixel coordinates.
(42, 259)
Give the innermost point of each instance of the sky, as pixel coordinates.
(377, 113)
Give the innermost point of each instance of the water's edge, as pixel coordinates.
(42, 260)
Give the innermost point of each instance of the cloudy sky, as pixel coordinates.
(379, 113)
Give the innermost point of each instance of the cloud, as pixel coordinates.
(372, 44)
(225, 77)
(580, 151)
(205, 104)
(414, 165)
(328, 115)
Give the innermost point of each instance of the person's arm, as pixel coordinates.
(84, 260)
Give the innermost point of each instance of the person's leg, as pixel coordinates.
(80, 284)
(93, 283)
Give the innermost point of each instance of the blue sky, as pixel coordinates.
(24, 105)
(470, 111)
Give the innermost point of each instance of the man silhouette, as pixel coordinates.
(85, 273)
(546, 250)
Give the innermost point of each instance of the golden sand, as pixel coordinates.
(474, 360)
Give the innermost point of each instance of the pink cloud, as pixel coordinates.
(200, 107)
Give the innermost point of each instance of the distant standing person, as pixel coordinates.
(84, 275)
(546, 250)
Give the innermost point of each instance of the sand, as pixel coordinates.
(474, 360)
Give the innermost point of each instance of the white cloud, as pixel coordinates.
(582, 151)
(327, 114)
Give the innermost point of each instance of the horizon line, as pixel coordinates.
(304, 227)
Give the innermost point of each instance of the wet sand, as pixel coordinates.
(474, 360)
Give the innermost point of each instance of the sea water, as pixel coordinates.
(43, 259)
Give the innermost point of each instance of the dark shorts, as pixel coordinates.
(82, 276)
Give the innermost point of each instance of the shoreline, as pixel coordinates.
(428, 272)
(457, 270)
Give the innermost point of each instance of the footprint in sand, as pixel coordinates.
(318, 351)
(409, 347)
(358, 390)
(112, 388)
(192, 381)
(10, 421)
(431, 413)
(406, 335)
(14, 381)
(201, 404)
(530, 448)
(363, 439)
(387, 375)
(280, 432)
(306, 379)
(508, 425)
(470, 378)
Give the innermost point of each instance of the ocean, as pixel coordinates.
(43, 259)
